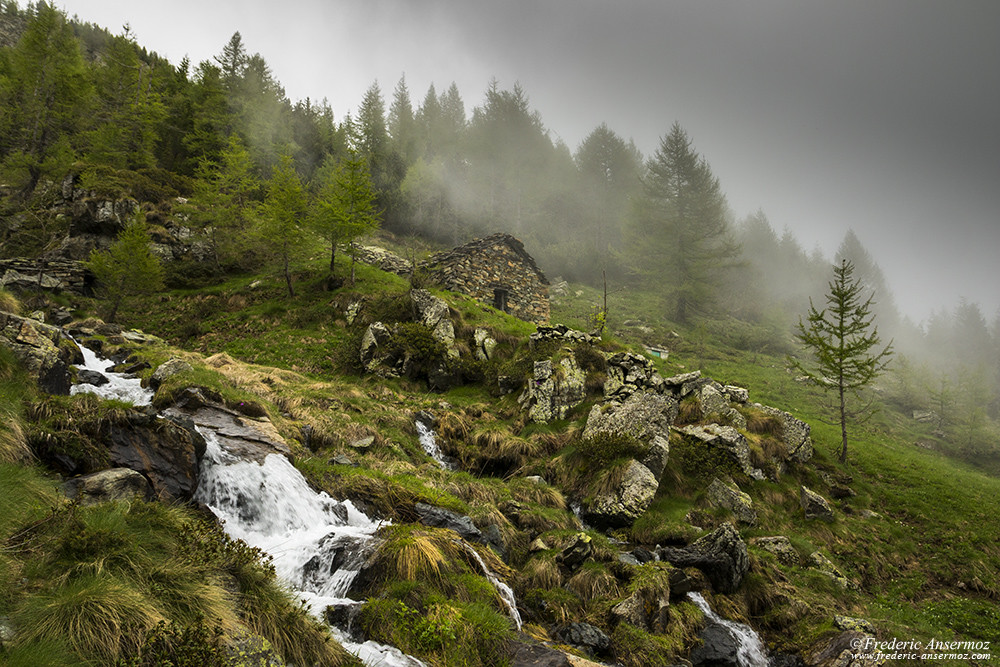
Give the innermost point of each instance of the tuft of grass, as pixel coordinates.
(593, 582)
(9, 303)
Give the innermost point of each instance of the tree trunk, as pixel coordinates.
(333, 254)
(843, 427)
(288, 279)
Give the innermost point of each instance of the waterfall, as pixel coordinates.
(318, 543)
(119, 386)
(750, 651)
(506, 592)
(429, 442)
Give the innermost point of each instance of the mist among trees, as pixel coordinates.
(256, 166)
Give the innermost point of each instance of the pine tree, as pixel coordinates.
(844, 344)
(127, 268)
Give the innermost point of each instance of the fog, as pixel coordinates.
(876, 117)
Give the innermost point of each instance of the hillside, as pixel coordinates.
(911, 547)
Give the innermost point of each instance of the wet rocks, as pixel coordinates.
(721, 555)
(585, 635)
(438, 517)
(719, 648)
(166, 451)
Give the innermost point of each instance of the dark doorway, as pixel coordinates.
(500, 298)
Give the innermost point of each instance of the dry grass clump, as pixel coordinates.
(542, 571)
(540, 494)
(9, 303)
(761, 423)
(594, 582)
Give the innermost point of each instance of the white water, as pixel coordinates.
(119, 387)
(429, 443)
(750, 651)
(506, 592)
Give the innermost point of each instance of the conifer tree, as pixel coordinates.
(127, 268)
(844, 344)
(282, 213)
(345, 208)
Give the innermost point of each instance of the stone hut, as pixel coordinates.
(497, 271)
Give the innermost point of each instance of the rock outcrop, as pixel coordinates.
(795, 434)
(42, 351)
(627, 501)
(165, 451)
(28, 275)
(728, 439)
(721, 555)
(553, 390)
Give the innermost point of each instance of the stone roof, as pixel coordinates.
(485, 245)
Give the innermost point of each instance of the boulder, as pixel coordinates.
(780, 546)
(712, 400)
(736, 394)
(575, 554)
(728, 439)
(721, 555)
(657, 455)
(438, 517)
(168, 369)
(585, 635)
(433, 313)
(94, 378)
(40, 350)
(552, 393)
(645, 608)
(537, 655)
(795, 434)
(730, 497)
(373, 345)
(853, 624)
(719, 648)
(484, 344)
(108, 485)
(242, 436)
(683, 384)
(166, 451)
(627, 502)
(641, 415)
(814, 505)
(825, 566)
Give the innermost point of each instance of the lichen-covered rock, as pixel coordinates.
(627, 502)
(552, 392)
(721, 555)
(780, 546)
(795, 434)
(847, 649)
(41, 350)
(484, 344)
(168, 369)
(814, 505)
(736, 394)
(733, 499)
(373, 345)
(434, 314)
(853, 624)
(683, 384)
(641, 415)
(712, 400)
(728, 439)
(108, 485)
(825, 566)
(576, 553)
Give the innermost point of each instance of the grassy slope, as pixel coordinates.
(926, 569)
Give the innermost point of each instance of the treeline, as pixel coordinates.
(255, 165)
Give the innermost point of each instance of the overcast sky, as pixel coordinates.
(877, 115)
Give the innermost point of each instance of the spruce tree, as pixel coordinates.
(844, 344)
(282, 213)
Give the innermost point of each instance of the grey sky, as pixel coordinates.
(876, 115)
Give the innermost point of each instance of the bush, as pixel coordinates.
(600, 450)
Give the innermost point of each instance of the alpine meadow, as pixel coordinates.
(406, 380)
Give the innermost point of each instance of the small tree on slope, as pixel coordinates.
(844, 344)
(128, 267)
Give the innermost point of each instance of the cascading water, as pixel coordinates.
(506, 592)
(750, 649)
(429, 442)
(119, 386)
(318, 544)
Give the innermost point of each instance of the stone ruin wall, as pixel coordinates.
(479, 268)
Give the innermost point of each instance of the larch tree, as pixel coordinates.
(845, 345)
(128, 267)
(281, 216)
(345, 206)
(679, 237)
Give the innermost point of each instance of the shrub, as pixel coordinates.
(602, 449)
